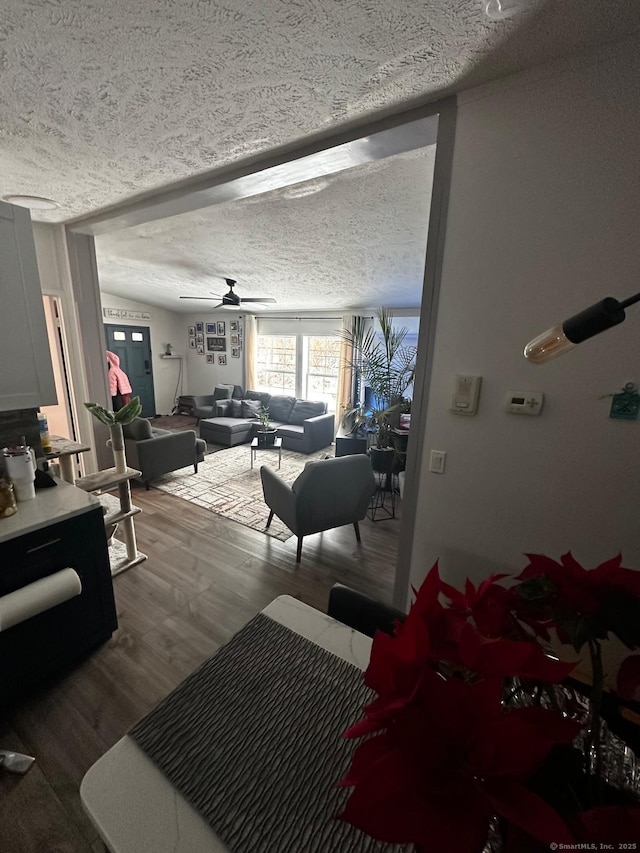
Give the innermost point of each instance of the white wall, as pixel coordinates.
(202, 376)
(543, 221)
(165, 327)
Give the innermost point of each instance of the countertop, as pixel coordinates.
(48, 507)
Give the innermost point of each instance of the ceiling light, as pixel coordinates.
(499, 10)
(33, 202)
(305, 188)
(563, 337)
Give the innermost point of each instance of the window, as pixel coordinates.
(137, 336)
(119, 336)
(321, 364)
(305, 366)
(276, 367)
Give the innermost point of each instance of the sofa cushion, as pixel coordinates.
(222, 392)
(250, 408)
(263, 396)
(155, 432)
(280, 408)
(234, 409)
(303, 409)
(138, 429)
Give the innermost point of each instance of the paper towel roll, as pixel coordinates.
(37, 597)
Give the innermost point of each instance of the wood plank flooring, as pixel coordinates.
(204, 579)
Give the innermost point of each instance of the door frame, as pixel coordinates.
(136, 326)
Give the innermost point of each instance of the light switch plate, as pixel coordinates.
(436, 461)
(466, 390)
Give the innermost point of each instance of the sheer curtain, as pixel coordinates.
(344, 396)
(250, 338)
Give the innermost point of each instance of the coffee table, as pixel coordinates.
(277, 445)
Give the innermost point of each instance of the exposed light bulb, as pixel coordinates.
(563, 337)
(548, 345)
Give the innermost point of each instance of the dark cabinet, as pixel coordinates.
(45, 643)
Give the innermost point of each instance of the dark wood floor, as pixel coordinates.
(204, 579)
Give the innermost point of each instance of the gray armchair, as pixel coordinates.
(327, 494)
(204, 406)
(158, 451)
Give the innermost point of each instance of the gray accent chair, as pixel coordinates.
(327, 494)
(204, 406)
(158, 451)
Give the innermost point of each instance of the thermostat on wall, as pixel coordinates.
(524, 402)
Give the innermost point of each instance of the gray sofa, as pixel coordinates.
(303, 425)
(158, 451)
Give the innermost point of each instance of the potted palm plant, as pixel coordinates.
(266, 433)
(115, 421)
(382, 363)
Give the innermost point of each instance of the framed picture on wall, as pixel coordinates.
(200, 338)
(234, 326)
(221, 325)
(199, 327)
(210, 358)
(216, 344)
(200, 349)
(192, 343)
(235, 340)
(191, 331)
(222, 359)
(211, 328)
(235, 352)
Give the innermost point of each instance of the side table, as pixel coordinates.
(348, 444)
(277, 445)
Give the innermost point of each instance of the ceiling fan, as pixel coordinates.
(230, 299)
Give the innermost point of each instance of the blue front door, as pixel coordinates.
(132, 345)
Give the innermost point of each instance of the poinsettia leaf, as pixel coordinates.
(628, 681)
(610, 825)
(527, 810)
(535, 589)
(577, 629)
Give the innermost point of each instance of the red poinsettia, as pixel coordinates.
(447, 750)
(448, 761)
(589, 603)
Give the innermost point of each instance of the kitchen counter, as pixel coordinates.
(49, 507)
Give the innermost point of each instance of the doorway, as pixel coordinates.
(132, 345)
(59, 417)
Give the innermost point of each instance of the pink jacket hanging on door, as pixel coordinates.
(118, 379)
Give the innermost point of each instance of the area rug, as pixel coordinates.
(227, 485)
(175, 423)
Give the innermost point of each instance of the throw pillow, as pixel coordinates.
(303, 409)
(280, 408)
(137, 430)
(221, 392)
(235, 409)
(250, 408)
(263, 396)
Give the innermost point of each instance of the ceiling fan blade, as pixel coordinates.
(200, 297)
(252, 299)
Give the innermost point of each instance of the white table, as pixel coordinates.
(133, 805)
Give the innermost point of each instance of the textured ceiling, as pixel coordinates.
(101, 101)
(359, 240)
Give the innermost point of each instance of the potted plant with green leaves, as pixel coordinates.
(266, 433)
(383, 363)
(115, 421)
